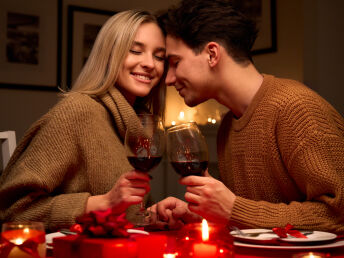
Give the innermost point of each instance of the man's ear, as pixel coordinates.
(213, 51)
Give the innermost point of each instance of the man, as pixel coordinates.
(281, 146)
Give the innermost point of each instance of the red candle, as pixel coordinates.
(18, 237)
(205, 248)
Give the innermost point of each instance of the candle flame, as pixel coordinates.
(205, 230)
(18, 241)
(26, 230)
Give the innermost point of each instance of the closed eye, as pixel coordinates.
(173, 63)
(135, 52)
(160, 58)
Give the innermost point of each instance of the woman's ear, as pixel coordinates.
(213, 51)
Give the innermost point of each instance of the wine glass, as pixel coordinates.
(187, 149)
(23, 239)
(144, 148)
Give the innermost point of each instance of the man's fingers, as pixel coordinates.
(192, 198)
(179, 213)
(193, 180)
(194, 189)
(162, 211)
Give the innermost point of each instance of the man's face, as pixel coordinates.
(188, 72)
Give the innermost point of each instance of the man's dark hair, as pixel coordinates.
(197, 22)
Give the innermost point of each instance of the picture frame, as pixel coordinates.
(30, 44)
(264, 13)
(83, 26)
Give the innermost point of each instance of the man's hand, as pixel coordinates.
(208, 198)
(172, 213)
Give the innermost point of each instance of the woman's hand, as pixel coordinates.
(172, 213)
(129, 189)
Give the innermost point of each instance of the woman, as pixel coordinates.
(72, 160)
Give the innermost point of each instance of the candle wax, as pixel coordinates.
(201, 250)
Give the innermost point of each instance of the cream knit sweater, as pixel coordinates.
(72, 152)
(284, 159)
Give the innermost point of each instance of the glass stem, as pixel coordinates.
(142, 206)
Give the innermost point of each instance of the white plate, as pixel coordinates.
(316, 236)
(264, 235)
(295, 247)
(137, 231)
(49, 237)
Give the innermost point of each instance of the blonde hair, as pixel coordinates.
(109, 51)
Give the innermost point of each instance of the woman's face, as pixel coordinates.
(144, 65)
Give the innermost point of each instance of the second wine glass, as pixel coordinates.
(187, 149)
(144, 148)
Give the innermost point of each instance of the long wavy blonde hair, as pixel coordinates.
(109, 51)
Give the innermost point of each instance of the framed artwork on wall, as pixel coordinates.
(83, 27)
(264, 13)
(30, 44)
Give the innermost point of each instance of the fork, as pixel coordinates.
(255, 234)
(241, 233)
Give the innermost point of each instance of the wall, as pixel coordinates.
(19, 108)
(288, 60)
(324, 53)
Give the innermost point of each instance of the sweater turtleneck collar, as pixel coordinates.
(122, 112)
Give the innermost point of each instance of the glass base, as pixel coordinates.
(142, 218)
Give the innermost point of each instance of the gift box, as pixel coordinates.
(142, 246)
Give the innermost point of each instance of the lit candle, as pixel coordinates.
(205, 249)
(18, 237)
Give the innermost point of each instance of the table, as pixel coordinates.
(249, 252)
(241, 252)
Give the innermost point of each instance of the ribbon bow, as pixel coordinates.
(102, 224)
(29, 246)
(288, 229)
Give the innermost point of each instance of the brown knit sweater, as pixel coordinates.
(284, 159)
(74, 151)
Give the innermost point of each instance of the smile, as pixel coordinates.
(179, 88)
(142, 77)
(180, 91)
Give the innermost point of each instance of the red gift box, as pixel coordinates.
(142, 246)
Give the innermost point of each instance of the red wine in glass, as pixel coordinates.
(144, 164)
(190, 168)
(187, 149)
(144, 147)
